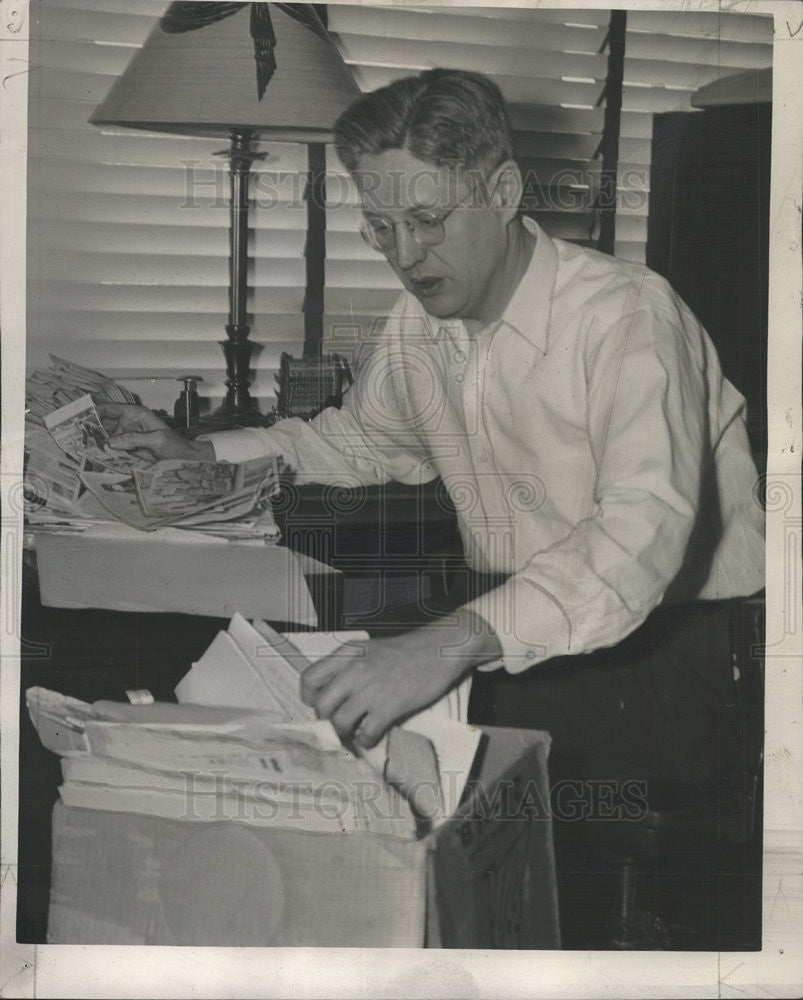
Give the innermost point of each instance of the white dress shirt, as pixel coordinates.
(582, 438)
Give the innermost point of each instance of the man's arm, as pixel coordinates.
(136, 428)
(334, 448)
(365, 442)
(366, 687)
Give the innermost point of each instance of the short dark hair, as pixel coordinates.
(442, 116)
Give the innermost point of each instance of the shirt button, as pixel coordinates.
(460, 357)
(459, 378)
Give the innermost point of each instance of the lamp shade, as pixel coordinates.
(202, 80)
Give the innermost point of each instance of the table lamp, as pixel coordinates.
(243, 71)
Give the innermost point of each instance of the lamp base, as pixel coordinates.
(238, 409)
(227, 417)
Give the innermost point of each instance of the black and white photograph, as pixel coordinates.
(401, 499)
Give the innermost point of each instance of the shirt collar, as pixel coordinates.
(528, 311)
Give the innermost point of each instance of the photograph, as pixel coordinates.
(439, 635)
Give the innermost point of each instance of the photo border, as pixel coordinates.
(100, 971)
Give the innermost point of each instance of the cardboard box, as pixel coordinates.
(493, 881)
(121, 569)
(120, 878)
(486, 879)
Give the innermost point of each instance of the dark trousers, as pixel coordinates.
(660, 706)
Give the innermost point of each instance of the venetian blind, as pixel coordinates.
(548, 64)
(128, 234)
(668, 56)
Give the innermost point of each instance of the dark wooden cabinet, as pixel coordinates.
(708, 234)
(386, 540)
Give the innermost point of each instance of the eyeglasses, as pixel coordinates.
(426, 228)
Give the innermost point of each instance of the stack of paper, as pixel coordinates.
(188, 494)
(241, 745)
(74, 475)
(57, 450)
(48, 389)
(427, 758)
(199, 764)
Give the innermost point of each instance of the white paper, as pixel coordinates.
(117, 567)
(275, 670)
(444, 723)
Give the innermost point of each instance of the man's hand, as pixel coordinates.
(366, 687)
(136, 428)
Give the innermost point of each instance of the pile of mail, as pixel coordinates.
(74, 476)
(48, 389)
(241, 746)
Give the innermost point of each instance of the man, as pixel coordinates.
(579, 407)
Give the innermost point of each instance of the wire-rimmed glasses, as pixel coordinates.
(427, 228)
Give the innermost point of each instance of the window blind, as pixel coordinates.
(128, 231)
(547, 63)
(668, 56)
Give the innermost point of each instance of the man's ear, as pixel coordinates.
(508, 188)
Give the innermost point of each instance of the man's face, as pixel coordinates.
(460, 277)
